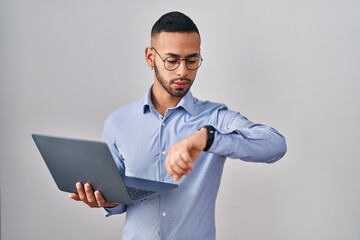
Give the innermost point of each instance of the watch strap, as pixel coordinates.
(210, 136)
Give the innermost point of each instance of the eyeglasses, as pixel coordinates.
(171, 63)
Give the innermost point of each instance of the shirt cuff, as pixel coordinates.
(115, 210)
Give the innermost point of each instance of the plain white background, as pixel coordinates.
(293, 65)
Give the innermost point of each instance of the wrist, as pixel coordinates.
(209, 132)
(202, 134)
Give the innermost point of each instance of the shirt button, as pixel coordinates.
(163, 152)
(163, 124)
(164, 214)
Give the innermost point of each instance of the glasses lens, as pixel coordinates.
(171, 63)
(192, 63)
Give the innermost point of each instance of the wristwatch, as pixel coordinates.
(210, 136)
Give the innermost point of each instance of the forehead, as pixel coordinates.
(177, 42)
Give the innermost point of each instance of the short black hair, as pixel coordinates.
(174, 22)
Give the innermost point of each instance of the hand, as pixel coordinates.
(183, 154)
(89, 197)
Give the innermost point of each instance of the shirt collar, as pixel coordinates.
(187, 103)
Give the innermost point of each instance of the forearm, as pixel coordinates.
(256, 143)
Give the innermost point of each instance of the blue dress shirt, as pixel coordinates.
(139, 138)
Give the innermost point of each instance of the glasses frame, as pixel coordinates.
(179, 61)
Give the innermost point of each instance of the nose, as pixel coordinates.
(182, 70)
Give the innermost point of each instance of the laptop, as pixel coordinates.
(75, 160)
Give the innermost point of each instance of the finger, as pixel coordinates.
(74, 196)
(81, 192)
(186, 162)
(167, 165)
(172, 167)
(102, 202)
(90, 195)
(178, 167)
(99, 199)
(181, 162)
(181, 165)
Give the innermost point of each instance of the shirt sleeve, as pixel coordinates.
(238, 138)
(115, 210)
(108, 137)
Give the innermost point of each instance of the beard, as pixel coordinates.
(177, 92)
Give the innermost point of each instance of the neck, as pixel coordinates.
(162, 100)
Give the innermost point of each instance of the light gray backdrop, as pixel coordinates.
(294, 65)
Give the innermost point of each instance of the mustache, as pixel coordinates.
(180, 79)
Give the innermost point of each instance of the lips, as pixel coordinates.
(181, 84)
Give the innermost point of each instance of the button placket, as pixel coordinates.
(163, 150)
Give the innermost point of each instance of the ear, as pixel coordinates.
(149, 57)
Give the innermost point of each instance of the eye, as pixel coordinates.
(193, 60)
(172, 60)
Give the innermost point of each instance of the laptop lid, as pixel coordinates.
(75, 160)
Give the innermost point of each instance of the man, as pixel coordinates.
(171, 136)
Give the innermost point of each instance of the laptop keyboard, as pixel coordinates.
(136, 193)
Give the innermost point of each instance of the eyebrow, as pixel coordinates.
(178, 56)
